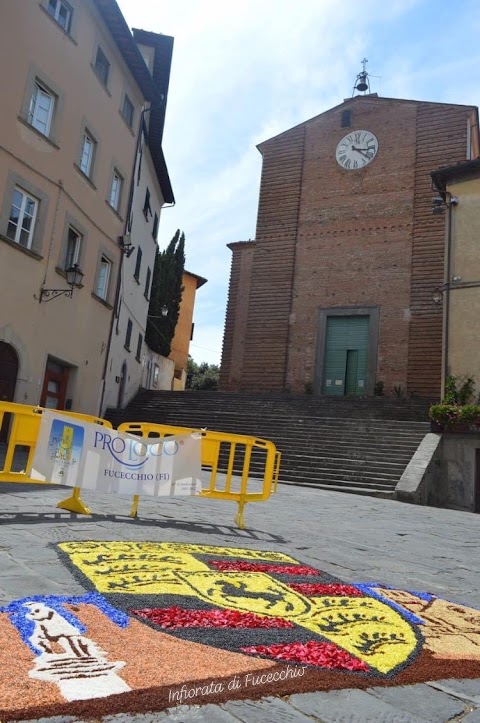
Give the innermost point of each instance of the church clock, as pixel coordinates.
(356, 150)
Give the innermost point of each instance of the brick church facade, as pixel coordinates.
(335, 292)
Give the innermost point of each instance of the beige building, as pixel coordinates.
(76, 87)
(184, 328)
(459, 295)
(131, 364)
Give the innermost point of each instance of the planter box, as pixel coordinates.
(453, 428)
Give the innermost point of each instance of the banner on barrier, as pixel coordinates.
(81, 454)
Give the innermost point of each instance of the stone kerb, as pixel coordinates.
(412, 486)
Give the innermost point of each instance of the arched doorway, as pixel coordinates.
(8, 381)
(123, 382)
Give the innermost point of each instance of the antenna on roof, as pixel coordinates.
(362, 83)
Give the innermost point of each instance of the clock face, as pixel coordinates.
(356, 150)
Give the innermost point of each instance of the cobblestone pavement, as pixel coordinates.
(355, 538)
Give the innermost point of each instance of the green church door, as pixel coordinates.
(346, 355)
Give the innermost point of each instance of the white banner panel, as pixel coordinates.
(79, 454)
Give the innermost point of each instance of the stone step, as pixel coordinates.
(367, 476)
(367, 491)
(344, 447)
(331, 459)
(237, 417)
(323, 432)
(350, 445)
(376, 407)
(339, 476)
(320, 466)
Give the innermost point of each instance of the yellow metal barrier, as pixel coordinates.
(24, 429)
(276, 472)
(232, 482)
(227, 457)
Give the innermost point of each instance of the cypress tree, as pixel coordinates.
(166, 292)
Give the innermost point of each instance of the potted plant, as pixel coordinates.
(456, 413)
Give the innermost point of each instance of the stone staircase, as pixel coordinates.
(352, 445)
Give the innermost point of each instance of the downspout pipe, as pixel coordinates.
(448, 275)
(127, 227)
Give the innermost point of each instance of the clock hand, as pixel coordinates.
(363, 151)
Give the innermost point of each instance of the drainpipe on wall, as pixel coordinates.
(127, 228)
(447, 292)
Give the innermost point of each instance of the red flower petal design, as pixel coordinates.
(312, 589)
(175, 617)
(242, 566)
(323, 655)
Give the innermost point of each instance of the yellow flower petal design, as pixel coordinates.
(365, 627)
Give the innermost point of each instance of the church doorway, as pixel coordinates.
(8, 381)
(347, 351)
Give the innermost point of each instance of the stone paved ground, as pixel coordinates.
(355, 538)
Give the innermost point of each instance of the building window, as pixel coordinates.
(86, 157)
(155, 226)
(138, 355)
(346, 118)
(116, 190)
(40, 113)
(102, 66)
(147, 284)
(146, 206)
(61, 12)
(128, 335)
(103, 278)
(21, 222)
(138, 263)
(74, 243)
(127, 111)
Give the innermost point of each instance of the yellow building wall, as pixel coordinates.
(183, 330)
(464, 304)
(74, 331)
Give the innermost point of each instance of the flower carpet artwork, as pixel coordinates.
(166, 623)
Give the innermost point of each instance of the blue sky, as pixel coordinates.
(246, 70)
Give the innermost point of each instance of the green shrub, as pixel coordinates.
(379, 389)
(458, 395)
(455, 415)
(465, 393)
(455, 411)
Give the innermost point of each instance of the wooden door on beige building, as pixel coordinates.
(54, 388)
(8, 381)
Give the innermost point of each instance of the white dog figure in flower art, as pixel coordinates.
(52, 629)
(70, 659)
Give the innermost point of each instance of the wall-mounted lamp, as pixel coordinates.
(163, 311)
(440, 203)
(74, 279)
(437, 295)
(125, 243)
